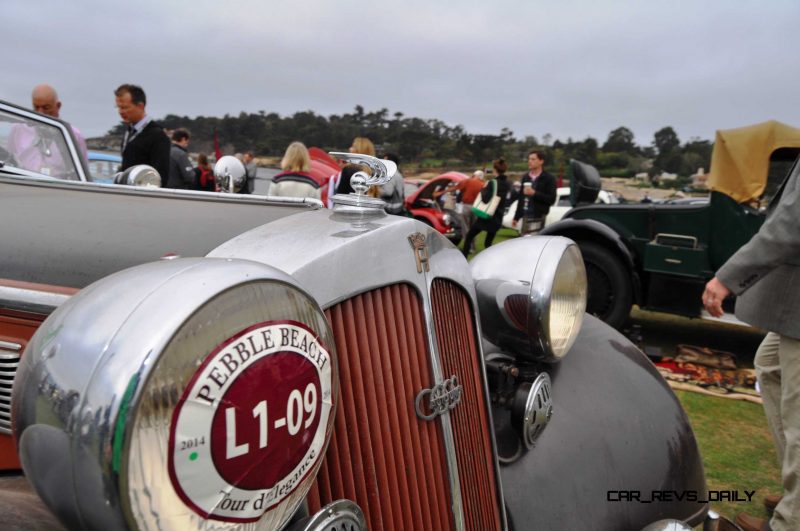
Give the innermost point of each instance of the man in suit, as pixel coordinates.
(144, 141)
(765, 276)
(538, 194)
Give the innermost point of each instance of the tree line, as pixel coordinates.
(431, 142)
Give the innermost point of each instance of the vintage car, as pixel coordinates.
(440, 212)
(190, 360)
(660, 256)
(103, 166)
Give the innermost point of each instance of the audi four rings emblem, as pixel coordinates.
(442, 398)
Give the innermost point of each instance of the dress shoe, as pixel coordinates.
(752, 523)
(771, 501)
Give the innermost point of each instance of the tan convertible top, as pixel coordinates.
(740, 160)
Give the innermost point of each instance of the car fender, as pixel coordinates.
(429, 217)
(594, 231)
(624, 433)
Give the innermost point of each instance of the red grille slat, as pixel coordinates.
(398, 423)
(432, 450)
(420, 464)
(457, 344)
(346, 423)
(381, 455)
(376, 404)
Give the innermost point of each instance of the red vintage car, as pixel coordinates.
(440, 213)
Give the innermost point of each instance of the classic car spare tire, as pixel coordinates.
(177, 393)
(610, 292)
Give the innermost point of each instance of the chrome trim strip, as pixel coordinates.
(438, 376)
(20, 176)
(7, 345)
(10, 355)
(29, 300)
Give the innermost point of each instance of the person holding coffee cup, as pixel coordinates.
(538, 195)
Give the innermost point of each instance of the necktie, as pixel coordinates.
(129, 133)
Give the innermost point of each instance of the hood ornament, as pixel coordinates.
(361, 181)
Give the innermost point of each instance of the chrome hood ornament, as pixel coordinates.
(361, 181)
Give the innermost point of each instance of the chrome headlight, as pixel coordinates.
(447, 219)
(230, 174)
(531, 295)
(202, 389)
(142, 175)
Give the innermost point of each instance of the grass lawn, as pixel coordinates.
(501, 236)
(737, 449)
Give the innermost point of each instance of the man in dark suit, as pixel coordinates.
(144, 141)
(537, 196)
(764, 275)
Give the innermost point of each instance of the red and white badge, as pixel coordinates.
(252, 422)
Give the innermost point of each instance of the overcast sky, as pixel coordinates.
(570, 68)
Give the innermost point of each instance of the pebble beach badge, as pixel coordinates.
(251, 424)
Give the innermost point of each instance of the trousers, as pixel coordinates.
(777, 364)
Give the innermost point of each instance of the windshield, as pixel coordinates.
(35, 146)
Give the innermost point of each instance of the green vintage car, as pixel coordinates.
(660, 256)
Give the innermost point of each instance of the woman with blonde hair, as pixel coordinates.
(294, 180)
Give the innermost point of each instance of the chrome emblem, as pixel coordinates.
(417, 241)
(443, 397)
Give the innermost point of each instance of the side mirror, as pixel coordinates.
(142, 175)
(230, 174)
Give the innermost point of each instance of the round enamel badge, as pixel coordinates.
(251, 424)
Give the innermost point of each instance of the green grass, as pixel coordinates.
(480, 239)
(737, 449)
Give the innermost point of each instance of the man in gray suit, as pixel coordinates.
(765, 276)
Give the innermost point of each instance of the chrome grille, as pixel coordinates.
(9, 361)
(457, 339)
(381, 455)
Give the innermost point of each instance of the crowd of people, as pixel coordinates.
(145, 141)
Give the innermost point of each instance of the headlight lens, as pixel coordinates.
(532, 295)
(567, 301)
(447, 219)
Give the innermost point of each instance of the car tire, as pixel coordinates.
(610, 294)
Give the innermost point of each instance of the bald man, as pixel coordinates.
(41, 149)
(44, 99)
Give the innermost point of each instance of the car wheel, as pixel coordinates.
(610, 294)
